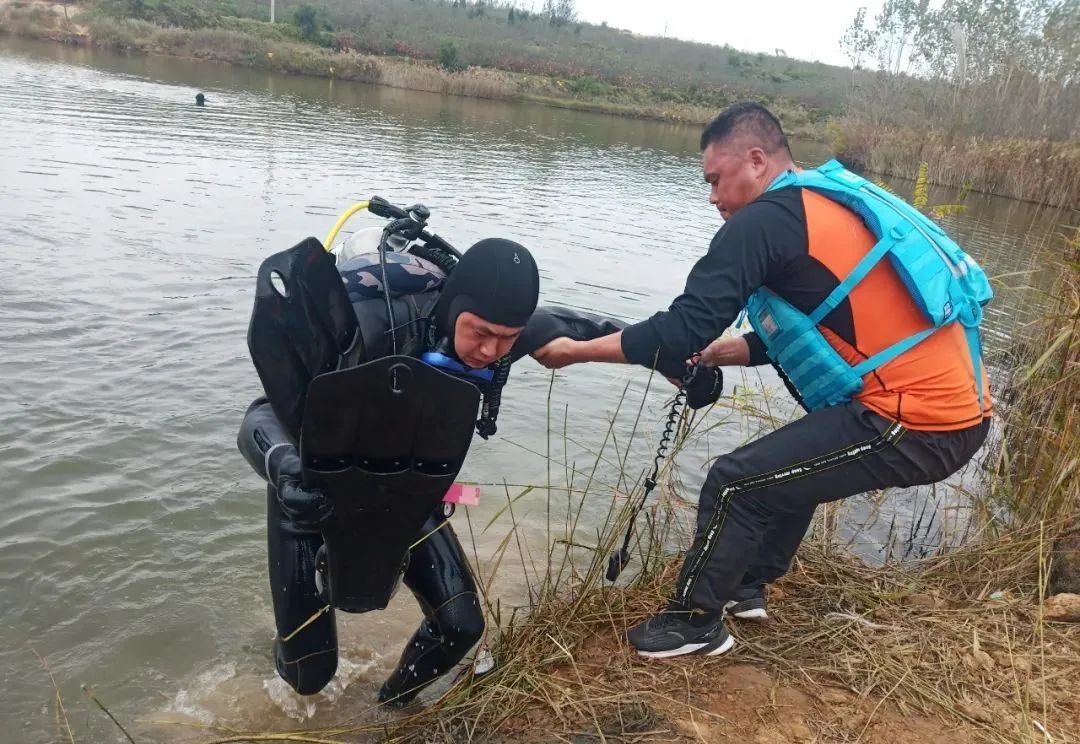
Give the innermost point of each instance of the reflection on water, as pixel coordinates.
(131, 226)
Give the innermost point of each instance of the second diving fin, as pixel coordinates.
(301, 326)
(384, 441)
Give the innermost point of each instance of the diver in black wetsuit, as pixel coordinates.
(472, 317)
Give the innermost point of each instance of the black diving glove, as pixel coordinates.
(307, 508)
(704, 387)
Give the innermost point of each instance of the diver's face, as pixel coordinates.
(479, 343)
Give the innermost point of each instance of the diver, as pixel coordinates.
(200, 99)
(374, 371)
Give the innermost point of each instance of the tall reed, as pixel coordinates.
(1031, 170)
(1038, 462)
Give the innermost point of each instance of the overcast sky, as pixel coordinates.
(806, 29)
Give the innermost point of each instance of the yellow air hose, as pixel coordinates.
(358, 207)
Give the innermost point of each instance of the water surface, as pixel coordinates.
(131, 227)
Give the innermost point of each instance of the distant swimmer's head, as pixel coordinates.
(200, 99)
(487, 300)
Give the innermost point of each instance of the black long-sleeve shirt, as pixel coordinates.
(800, 245)
(759, 245)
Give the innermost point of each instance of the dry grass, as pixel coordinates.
(1030, 170)
(928, 637)
(257, 44)
(958, 638)
(420, 75)
(1038, 463)
(41, 21)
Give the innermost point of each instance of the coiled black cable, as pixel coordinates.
(674, 413)
(618, 560)
(790, 386)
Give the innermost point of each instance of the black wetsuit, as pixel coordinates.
(438, 573)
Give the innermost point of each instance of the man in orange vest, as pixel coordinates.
(917, 418)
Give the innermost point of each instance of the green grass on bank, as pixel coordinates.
(488, 34)
(476, 50)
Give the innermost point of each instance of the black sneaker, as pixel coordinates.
(749, 603)
(677, 631)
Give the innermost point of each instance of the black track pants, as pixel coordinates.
(758, 500)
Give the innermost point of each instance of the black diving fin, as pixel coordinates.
(302, 325)
(384, 441)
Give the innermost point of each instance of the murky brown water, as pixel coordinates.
(131, 226)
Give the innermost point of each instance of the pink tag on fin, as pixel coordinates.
(462, 494)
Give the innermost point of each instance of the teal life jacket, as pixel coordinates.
(945, 283)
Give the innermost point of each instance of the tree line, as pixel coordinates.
(999, 68)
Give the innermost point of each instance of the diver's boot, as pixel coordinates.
(391, 697)
(442, 640)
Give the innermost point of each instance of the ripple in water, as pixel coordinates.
(131, 228)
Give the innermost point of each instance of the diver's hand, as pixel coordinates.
(562, 352)
(726, 352)
(306, 507)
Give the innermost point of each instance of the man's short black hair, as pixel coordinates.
(751, 120)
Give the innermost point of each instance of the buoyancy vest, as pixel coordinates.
(944, 282)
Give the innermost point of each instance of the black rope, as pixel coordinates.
(790, 386)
